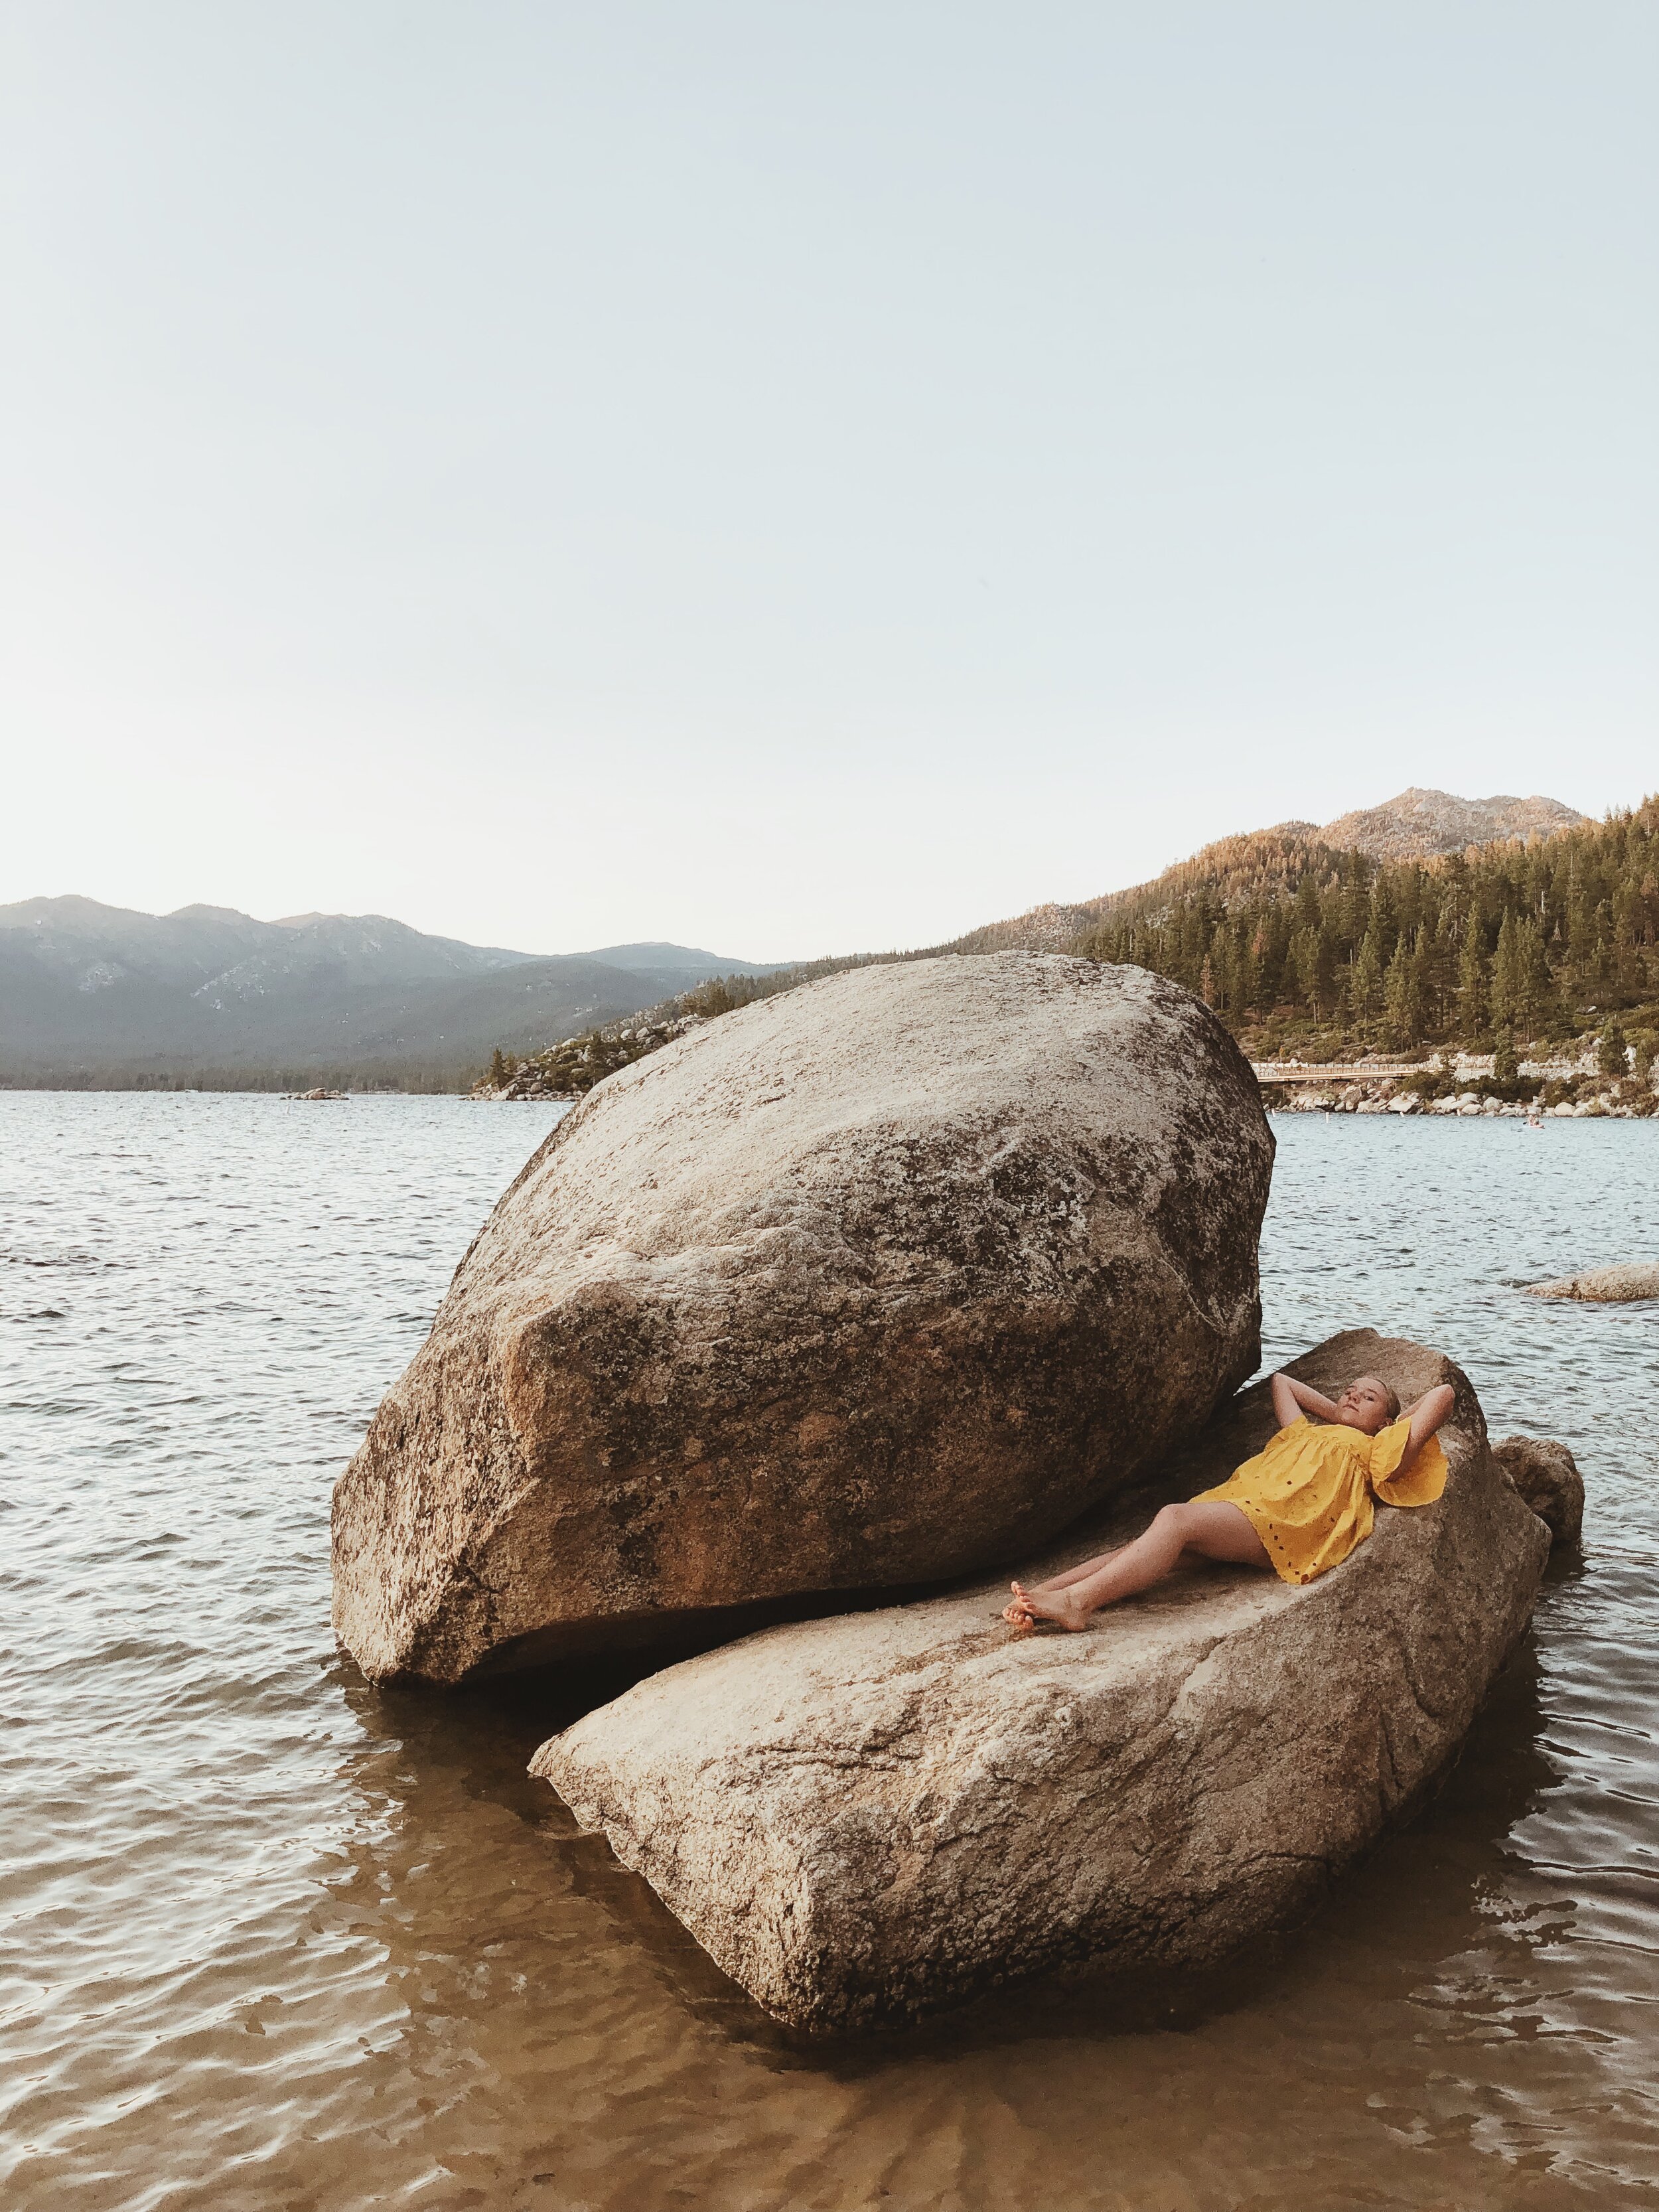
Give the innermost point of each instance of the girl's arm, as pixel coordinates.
(1425, 1417)
(1292, 1399)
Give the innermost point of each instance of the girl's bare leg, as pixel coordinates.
(1079, 1574)
(1213, 1531)
(1016, 1618)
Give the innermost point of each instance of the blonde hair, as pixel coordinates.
(1390, 1395)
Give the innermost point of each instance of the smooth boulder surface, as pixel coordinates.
(1546, 1475)
(1630, 1278)
(864, 1819)
(859, 1287)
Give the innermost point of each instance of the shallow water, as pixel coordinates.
(271, 1939)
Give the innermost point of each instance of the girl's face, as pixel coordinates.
(1366, 1404)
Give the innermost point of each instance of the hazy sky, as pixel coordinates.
(801, 477)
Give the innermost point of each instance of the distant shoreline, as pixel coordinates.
(261, 1083)
(1459, 1085)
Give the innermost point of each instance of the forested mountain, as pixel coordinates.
(1541, 938)
(1416, 824)
(1428, 918)
(1300, 942)
(105, 994)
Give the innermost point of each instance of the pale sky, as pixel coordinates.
(798, 478)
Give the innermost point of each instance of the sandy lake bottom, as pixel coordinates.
(273, 1940)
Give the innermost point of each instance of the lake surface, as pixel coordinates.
(270, 1938)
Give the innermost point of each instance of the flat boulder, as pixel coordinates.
(1630, 1278)
(1546, 1475)
(867, 1819)
(857, 1288)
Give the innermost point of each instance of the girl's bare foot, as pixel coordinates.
(1058, 1605)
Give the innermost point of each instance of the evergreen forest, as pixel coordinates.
(1299, 947)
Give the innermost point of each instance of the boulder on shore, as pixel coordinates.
(1629, 1279)
(1546, 1475)
(859, 1287)
(866, 1819)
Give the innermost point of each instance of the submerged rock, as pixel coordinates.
(861, 1287)
(863, 1819)
(1630, 1279)
(1546, 1475)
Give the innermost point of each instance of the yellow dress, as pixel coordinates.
(1308, 1495)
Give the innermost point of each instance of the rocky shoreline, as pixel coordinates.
(568, 1071)
(1463, 1084)
(1563, 1088)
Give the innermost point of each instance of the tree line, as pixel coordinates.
(1535, 940)
(573, 1066)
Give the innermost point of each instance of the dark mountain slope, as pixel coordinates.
(93, 993)
(668, 969)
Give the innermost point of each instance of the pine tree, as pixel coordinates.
(1504, 995)
(1384, 924)
(1402, 1005)
(1473, 979)
(1220, 965)
(1356, 904)
(1307, 908)
(1365, 981)
(1310, 956)
(1535, 985)
(1580, 933)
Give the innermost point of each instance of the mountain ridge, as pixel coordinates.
(92, 991)
(1421, 824)
(1417, 823)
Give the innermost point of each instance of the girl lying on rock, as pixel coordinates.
(1300, 1506)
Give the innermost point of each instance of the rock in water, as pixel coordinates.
(1630, 1278)
(1546, 1475)
(859, 1287)
(865, 1819)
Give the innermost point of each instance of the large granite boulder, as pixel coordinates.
(859, 1287)
(865, 1819)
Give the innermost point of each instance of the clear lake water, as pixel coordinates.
(270, 1938)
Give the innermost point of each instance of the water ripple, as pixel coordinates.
(270, 1938)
